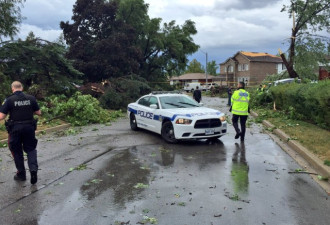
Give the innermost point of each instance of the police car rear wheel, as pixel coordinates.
(133, 122)
(168, 132)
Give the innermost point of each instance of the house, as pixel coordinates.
(191, 77)
(324, 72)
(250, 67)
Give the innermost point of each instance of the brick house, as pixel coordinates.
(250, 67)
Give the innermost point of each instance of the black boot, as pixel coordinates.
(34, 177)
(20, 176)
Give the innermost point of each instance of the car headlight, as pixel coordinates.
(222, 118)
(183, 121)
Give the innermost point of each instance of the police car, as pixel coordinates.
(176, 117)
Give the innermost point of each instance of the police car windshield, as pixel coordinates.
(172, 102)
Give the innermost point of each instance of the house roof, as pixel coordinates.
(257, 57)
(192, 76)
(261, 57)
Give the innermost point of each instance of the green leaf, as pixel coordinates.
(141, 186)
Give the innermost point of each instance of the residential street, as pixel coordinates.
(137, 178)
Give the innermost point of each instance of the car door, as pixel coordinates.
(143, 104)
(153, 119)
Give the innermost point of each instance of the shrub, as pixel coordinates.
(78, 110)
(258, 98)
(305, 101)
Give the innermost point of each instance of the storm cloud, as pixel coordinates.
(224, 27)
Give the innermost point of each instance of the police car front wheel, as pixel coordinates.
(168, 132)
(133, 122)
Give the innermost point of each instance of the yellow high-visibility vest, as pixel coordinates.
(240, 102)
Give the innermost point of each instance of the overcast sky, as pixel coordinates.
(224, 26)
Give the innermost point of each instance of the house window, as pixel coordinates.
(246, 67)
(230, 68)
(243, 79)
(243, 67)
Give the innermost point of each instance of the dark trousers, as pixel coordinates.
(229, 100)
(242, 120)
(22, 137)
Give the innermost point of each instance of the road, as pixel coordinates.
(126, 177)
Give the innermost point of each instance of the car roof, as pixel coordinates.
(166, 93)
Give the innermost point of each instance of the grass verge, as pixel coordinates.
(314, 138)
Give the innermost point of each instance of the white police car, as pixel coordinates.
(176, 116)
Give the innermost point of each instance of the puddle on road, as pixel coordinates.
(133, 166)
(120, 175)
(124, 177)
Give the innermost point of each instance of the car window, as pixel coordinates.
(144, 101)
(153, 100)
(178, 101)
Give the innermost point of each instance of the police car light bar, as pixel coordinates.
(165, 92)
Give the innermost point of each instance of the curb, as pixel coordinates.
(311, 158)
(48, 130)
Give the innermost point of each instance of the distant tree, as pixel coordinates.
(38, 62)
(10, 17)
(165, 47)
(119, 38)
(5, 89)
(195, 67)
(212, 68)
(311, 16)
(99, 42)
(309, 54)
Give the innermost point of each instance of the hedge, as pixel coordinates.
(305, 101)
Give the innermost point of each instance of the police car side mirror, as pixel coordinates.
(153, 106)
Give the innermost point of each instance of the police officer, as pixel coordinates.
(197, 95)
(21, 130)
(240, 110)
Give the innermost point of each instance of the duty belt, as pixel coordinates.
(22, 121)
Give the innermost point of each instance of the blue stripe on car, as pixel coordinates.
(132, 110)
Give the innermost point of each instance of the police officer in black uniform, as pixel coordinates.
(21, 128)
(197, 95)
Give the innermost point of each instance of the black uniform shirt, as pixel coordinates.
(20, 106)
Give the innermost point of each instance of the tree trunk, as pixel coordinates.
(291, 71)
(289, 65)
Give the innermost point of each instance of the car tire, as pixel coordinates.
(168, 132)
(133, 122)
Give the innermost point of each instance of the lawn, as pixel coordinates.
(314, 138)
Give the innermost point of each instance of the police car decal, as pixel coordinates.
(150, 115)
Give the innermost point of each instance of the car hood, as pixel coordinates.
(203, 112)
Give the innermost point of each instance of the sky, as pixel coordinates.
(224, 26)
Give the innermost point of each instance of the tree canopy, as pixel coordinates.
(212, 67)
(10, 17)
(310, 16)
(38, 62)
(115, 38)
(195, 67)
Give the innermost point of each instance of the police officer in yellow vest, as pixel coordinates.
(240, 109)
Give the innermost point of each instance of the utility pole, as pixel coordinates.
(205, 67)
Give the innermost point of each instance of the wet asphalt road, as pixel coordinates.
(135, 178)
